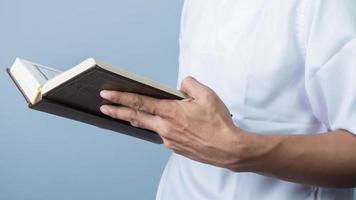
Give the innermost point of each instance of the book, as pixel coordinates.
(75, 93)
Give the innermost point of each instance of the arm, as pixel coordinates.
(201, 129)
(327, 159)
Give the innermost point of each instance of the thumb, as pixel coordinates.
(192, 87)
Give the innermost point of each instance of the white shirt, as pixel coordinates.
(281, 67)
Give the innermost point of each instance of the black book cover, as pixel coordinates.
(79, 99)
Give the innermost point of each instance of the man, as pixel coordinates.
(286, 71)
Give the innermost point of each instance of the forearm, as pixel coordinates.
(327, 159)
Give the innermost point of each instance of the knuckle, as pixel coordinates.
(165, 131)
(156, 110)
(157, 126)
(133, 115)
(137, 102)
(169, 144)
(170, 113)
(134, 118)
(167, 108)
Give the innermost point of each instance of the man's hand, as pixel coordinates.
(199, 127)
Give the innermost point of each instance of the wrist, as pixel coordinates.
(252, 150)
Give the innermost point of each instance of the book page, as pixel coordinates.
(30, 77)
(46, 72)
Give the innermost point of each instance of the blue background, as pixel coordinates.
(45, 157)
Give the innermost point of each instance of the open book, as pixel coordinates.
(74, 93)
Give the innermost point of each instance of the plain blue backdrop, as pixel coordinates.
(44, 157)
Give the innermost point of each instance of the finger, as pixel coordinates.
(135, 101)
(174, 145)
(184, 151)
(135, 117)
(192, 87)
(173, 135)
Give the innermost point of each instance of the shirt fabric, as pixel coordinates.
(281, 67)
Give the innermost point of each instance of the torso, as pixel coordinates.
(249, 53)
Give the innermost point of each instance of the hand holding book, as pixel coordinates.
(199, 127)
(74, 93)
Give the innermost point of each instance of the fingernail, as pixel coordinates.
(104, 94)
(134, 123)
(104, 109)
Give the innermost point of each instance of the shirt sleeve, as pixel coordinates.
(330, 64)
